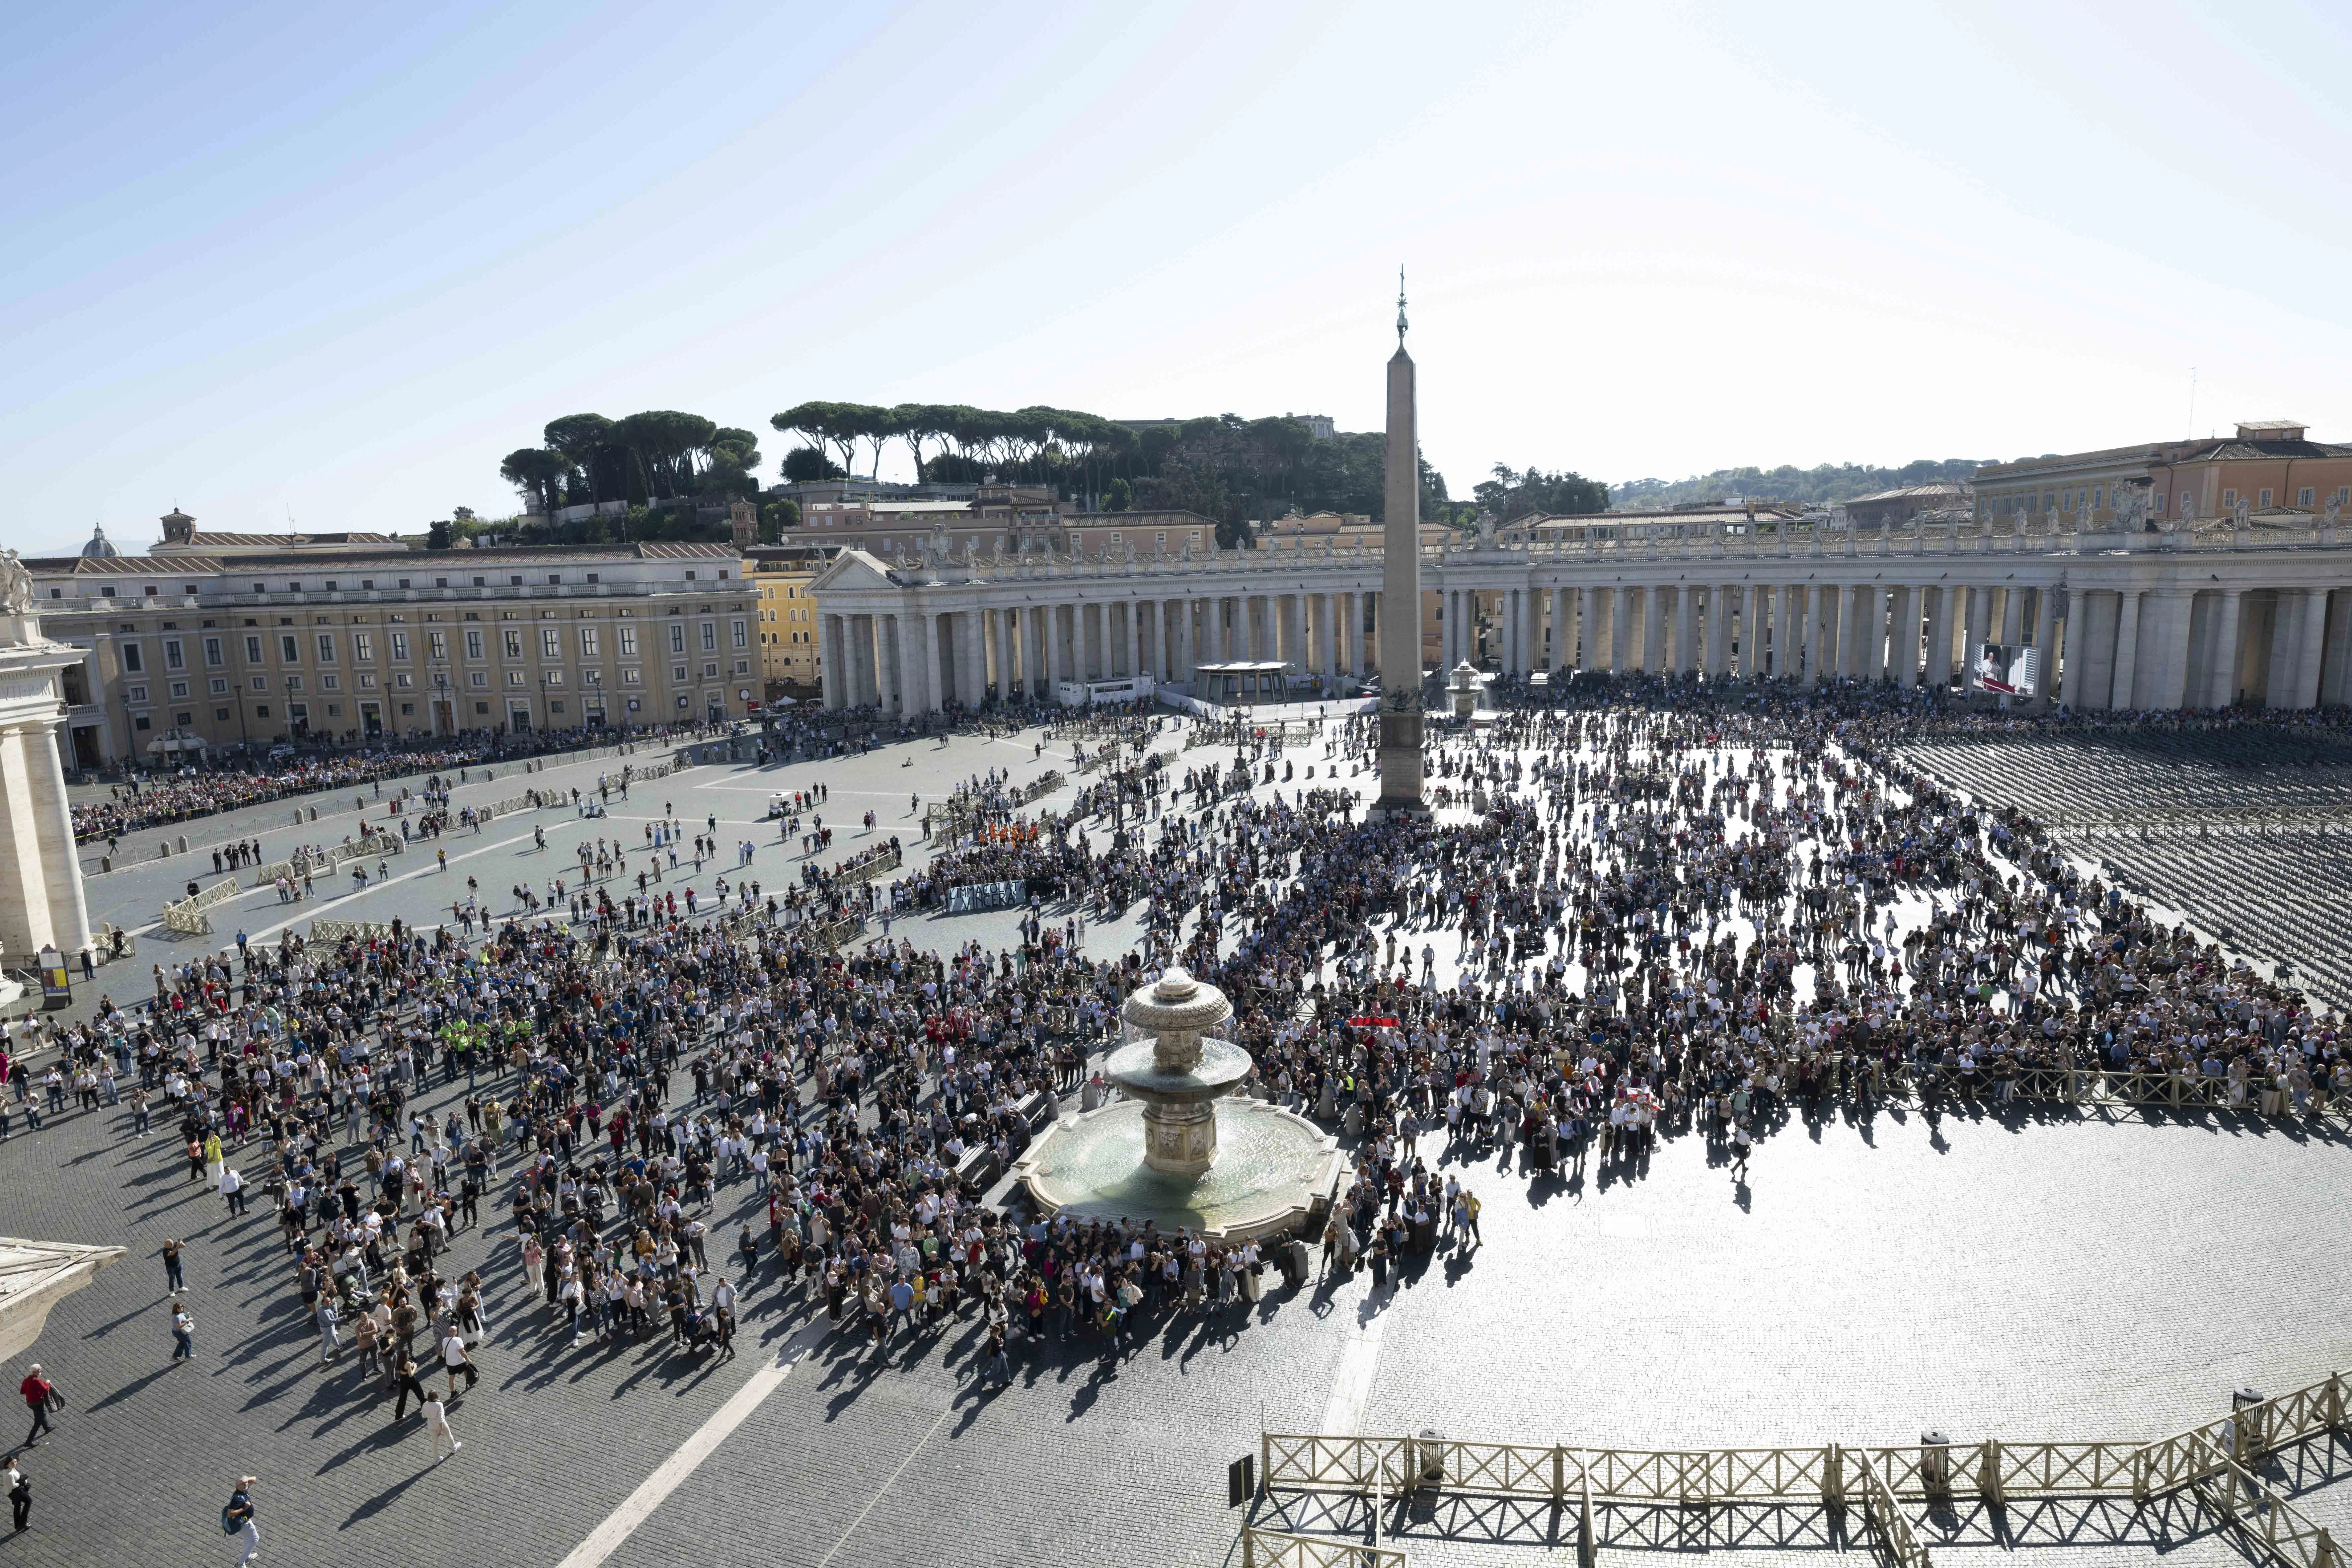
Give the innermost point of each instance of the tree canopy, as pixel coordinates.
(654, 456)
(1824, 485)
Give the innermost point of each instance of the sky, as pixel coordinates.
(331, 264)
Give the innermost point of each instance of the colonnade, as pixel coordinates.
(919, 659)
(2150, 626)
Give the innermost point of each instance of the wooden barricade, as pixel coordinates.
(2215, 1460)
(1279, 1548)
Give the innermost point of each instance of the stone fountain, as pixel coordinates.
(1180, 1148)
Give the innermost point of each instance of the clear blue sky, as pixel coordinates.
(337, 261)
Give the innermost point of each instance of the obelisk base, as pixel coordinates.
(1401, 766)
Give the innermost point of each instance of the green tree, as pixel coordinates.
(1118, 495)
(538, 473)
(807, 465)
(436, 534)
(588, 445)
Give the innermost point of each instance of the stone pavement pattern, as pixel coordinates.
(2040, 1276)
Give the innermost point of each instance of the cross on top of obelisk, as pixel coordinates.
(1400, 305)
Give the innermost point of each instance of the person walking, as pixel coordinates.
(39, 1392)
(326, 1317)
(240, 1520)
(20, 1491)
(437, 1426)
(1741, 1140)
(405, 1379)
(183, 1334)
(456, 1362)
(174, 1279)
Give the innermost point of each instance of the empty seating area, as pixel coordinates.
(2246, 829)
(2193, 775)
(2280, 894)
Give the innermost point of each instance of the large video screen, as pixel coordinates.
(2007, 669)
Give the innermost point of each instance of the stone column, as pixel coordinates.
(829, 670)
(1980, 622)
(2311, 642)
(1351, 606)
(1685, 627)
(2335, 659)
(865, 679)
(2221, 671)
(971, 658)
(2013, 615)
(52, 824)
(2170, 652)
(1618, 605)
(1057, 652)
(1563, 629)
(1939, 638)
(940, 664)
(1788, 632)
(24, 879)
(2045, 640)
(2126, 688)
(897, 658)
(1653, 629)
(1903, 635)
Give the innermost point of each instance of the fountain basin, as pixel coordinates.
(1269, 1169)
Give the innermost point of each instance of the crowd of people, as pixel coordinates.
(1650, 910)
(157, 797)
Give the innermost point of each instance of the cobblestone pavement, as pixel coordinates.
(2040, 1275)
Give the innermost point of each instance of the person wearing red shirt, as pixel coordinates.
(37, 1390)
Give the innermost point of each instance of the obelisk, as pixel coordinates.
(1400, 620)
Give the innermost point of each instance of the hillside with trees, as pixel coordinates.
(1823, 485)
(1222, 466)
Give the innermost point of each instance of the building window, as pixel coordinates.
(550, 643)
(180, 690)
(2229, 497)
(2266, 500)
(473, 645)
(326, 647)
(710, 636)
(628, 642)
(514, 643)
(588, 642)
(362, 646)
(632, 677)
(219, 687)
(134, 660)
(184, 720)
(107, 591)
(288, 650)
(743, 635)
(141, 723)
(481, 707)
(330, 683)
(555, 705)
(400, 645)
(479, 678)
(514, 677)
(677, 674)
(261, 683)
(438, 644)
(2304, 497)
(677, 639)
(175, 657)
(220, 715)
(554, 577)
(261, 711)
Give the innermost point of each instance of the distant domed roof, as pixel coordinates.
(98, 548)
